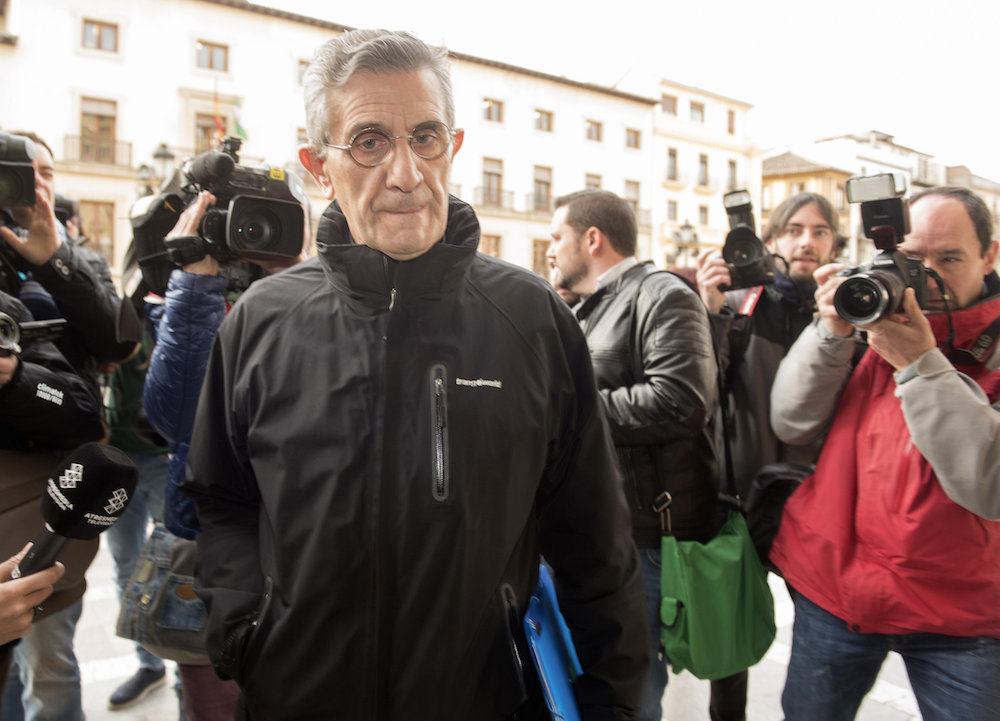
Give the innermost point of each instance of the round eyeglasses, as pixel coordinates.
(371, 146)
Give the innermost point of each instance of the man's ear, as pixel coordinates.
(317, 169)
(990, 259)
(457, 142)
(594, 241)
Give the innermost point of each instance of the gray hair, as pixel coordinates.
(368, 51)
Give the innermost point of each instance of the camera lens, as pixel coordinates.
(12, 190)
(742, 246)
(866, 297)
(257, 229)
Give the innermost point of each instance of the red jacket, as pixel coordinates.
(871, 536)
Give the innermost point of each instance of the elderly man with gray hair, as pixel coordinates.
(391, 434)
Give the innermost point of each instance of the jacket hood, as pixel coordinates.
(371, 276)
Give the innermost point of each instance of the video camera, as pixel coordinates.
(258, 215)
(14, 335)
(17, 174)
(749, 262)
(65, 208)
(875, 291)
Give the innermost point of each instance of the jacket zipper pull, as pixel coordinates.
(392, 298)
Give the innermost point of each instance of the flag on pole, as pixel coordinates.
(237, 115)
(220, 128)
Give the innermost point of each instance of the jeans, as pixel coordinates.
(44, 679)
(656, 681)
(127, 536)
(832, 669)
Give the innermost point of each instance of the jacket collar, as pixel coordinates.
(613, 287)
(371, 276)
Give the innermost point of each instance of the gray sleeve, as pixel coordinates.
(808, 384)
(956, 429)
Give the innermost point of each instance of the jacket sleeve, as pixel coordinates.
(678, 390)
(79, 281)
(945, 409)
(585, 535)
(221, 482)
(46, 405)
(193, 310)
(808, 384)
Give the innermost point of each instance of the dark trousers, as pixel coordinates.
(729, 698)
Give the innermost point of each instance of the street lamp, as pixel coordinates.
(685, 239)
(163, 161)
(145, 177)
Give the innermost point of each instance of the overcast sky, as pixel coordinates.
(924, 71)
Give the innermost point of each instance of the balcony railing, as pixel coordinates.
(493, 198)
(538, 202)
(102, 151)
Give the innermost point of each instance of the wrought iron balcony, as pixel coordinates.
(101, 151)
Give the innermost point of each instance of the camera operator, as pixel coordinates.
(56, 279)
(893, 543)
(71, 282)
(45, 410)
(756, 327)
(196, 303)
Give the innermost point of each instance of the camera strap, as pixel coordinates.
(981, 348)
(750, 300)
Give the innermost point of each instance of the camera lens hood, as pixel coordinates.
(865, 298)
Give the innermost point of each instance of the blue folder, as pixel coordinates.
(552, 649)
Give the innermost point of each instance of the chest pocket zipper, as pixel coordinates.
(439, 432)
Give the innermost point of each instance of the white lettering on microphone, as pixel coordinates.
(57, 496)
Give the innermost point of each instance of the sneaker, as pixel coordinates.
(136, 688)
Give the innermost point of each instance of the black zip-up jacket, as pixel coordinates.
(651, 346)
(46, 406)
(754, 337)
(380, 454)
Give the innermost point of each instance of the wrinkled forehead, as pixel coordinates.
(395, 101)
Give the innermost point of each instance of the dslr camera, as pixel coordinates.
(258, 215)
(17, 174)
(749, 262)
(875, 291)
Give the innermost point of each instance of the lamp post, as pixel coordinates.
(685, 241)
(145, 177)
(163, 161)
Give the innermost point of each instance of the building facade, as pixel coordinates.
(702, 151)
(134, 87)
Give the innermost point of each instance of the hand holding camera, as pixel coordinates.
(183, 245)
(42, 240)
(712, 276)
(829, 278)
(256, 215)
(904, 336)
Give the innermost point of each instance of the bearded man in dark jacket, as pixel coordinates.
(389, 435)
(756, 327)
(651, 347)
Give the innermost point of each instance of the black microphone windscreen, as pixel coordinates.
(89, 491)
(210, 168)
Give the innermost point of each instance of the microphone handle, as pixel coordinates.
(43, 553)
